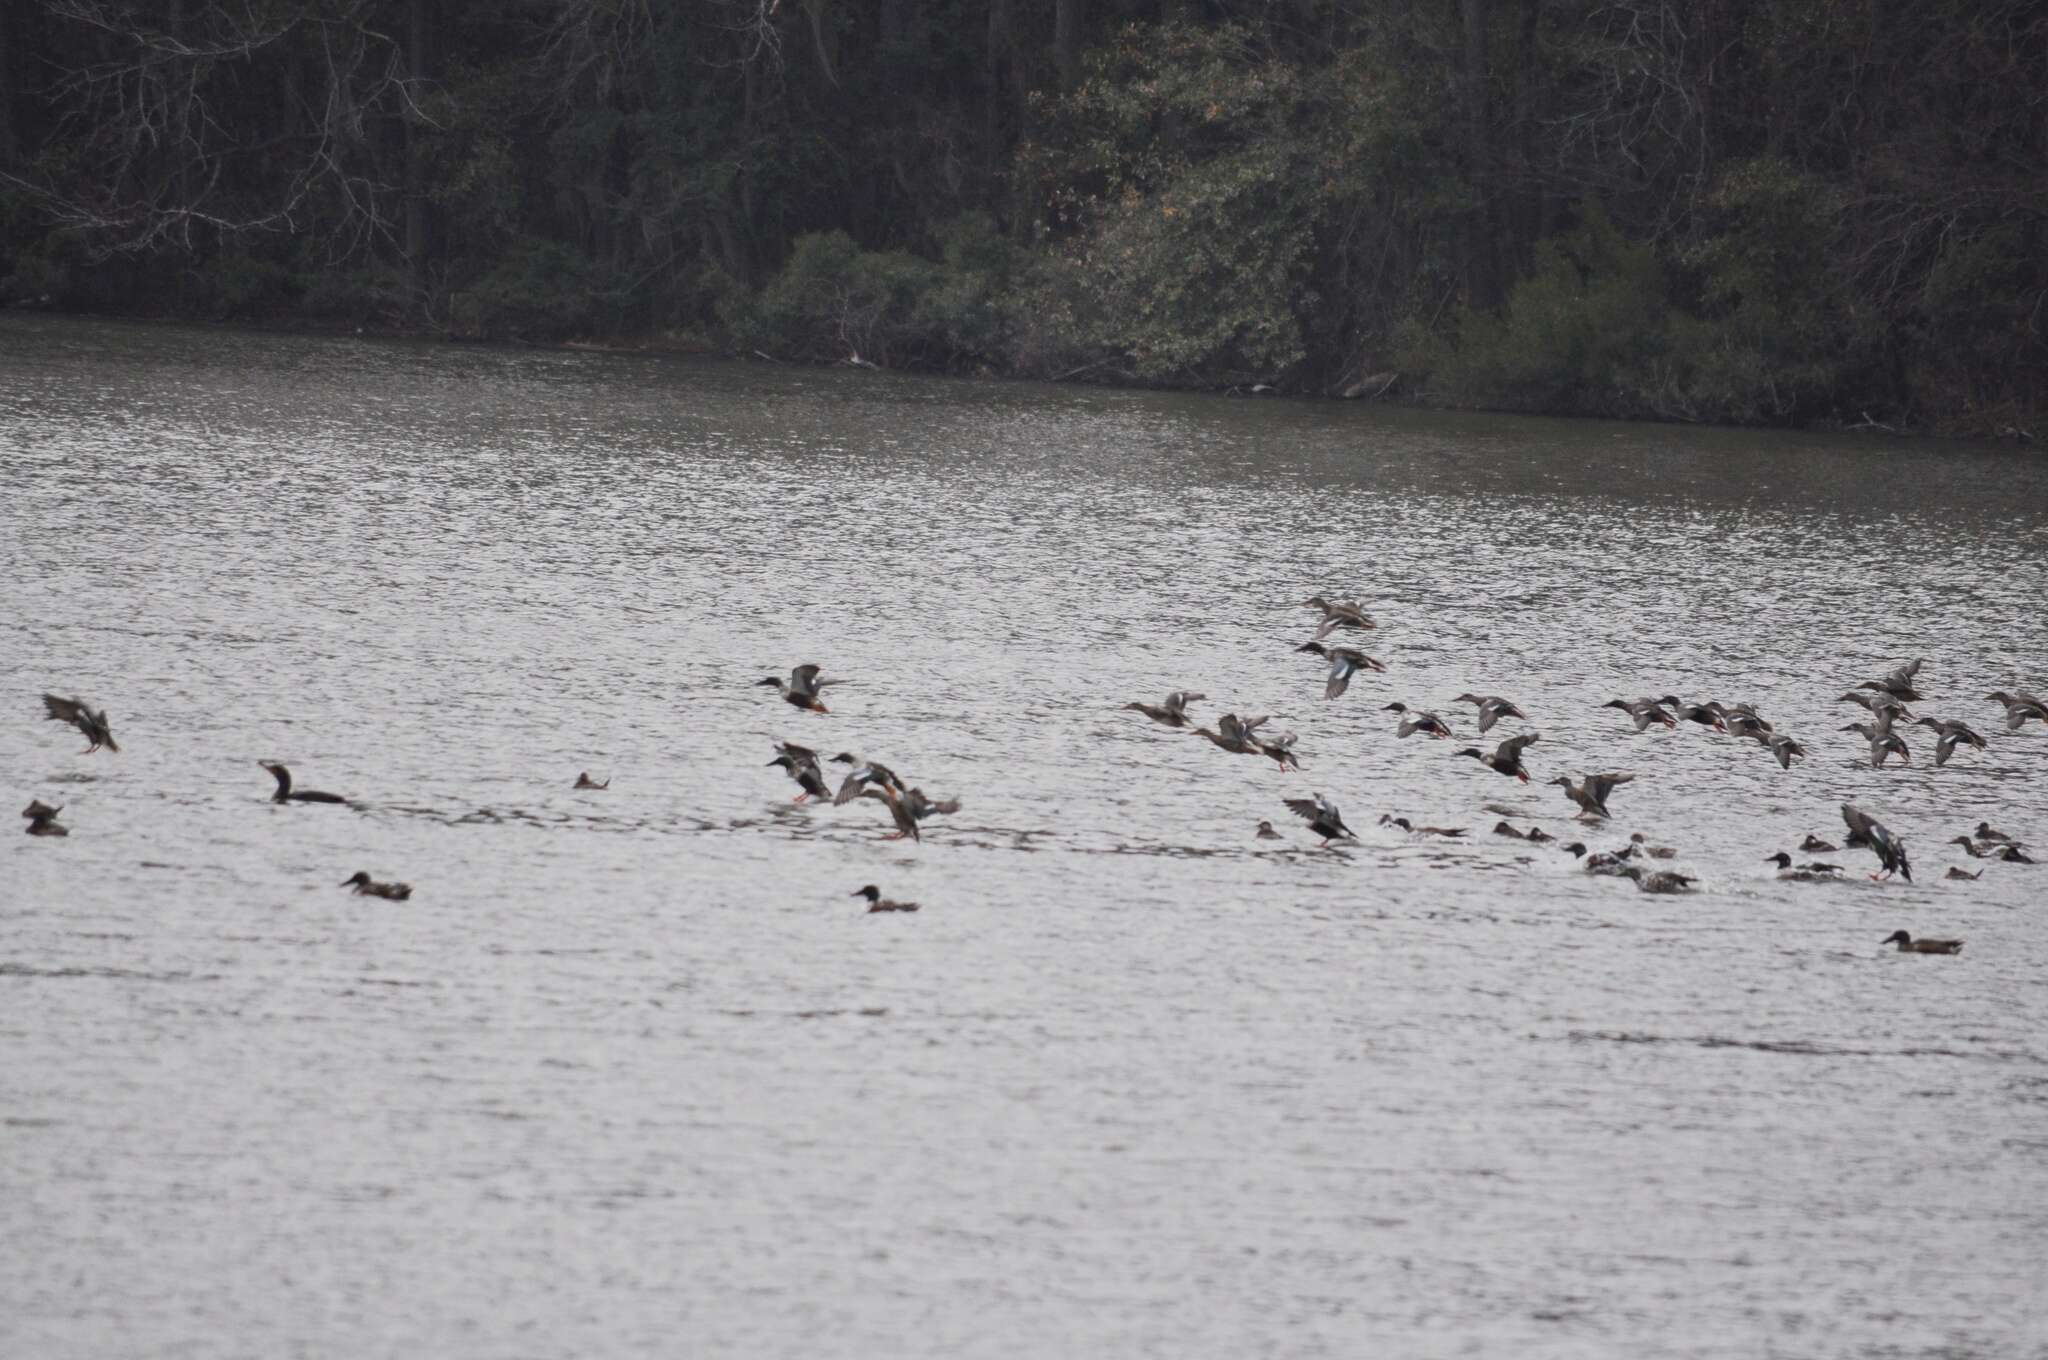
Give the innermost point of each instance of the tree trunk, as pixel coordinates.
(418, 63)
(1069, 17)
(1481, 288)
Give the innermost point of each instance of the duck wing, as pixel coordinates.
(1511, 749)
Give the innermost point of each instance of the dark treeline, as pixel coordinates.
(1765, 211)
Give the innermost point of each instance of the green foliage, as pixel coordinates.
(540, 290)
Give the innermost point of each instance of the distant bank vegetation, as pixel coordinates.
(1827, 212)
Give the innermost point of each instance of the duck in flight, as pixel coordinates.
(863, 773)
(1948, 735)
(1506, 758)
(1173, 712)
(366, 886)
(1345, 662)
(2018, 708)
(1866, 830)
(1492, 708)
(1591, 795)
(1883, 742)
(1322, 817)
(92, 722)
(1338, 614)
(802, 766)
(1643, 712)
(1234, 734)
(1413, 721)
(900, 811)
(1784, 748)
(1898, 683)
(801, 689)
(287, 794)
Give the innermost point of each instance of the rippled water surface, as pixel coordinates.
(633, 1074)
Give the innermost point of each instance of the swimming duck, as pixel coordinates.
(1506, 758)
(877, 902)
(801, 689)
(1233, 735)
(1882, 743)
(1413, 721)
(1985, 832)
(365, 886)
(1448, 832)
(1503, 829)
(1866, 830)
(1641, 845)
(1970, 847)
(1538, 835)
(1814, 844)
(1605, 862)
(584, 781)
(1345, 662)
(1322, 817)
(44, 823)
(1908, 945)
(899, 811)
(1899, 683)
(1784, 748)
(1805, 873)
(1950, 733)
(1965, 874)
(1492, 708)
(1659, 880)
(2012, 854)
(1267, 833)
(1591, 796)
(1643, 711)
(1338, 614)
(863, 773)
(93, 723)
(809, 778)
(38, 808)
(1703, 714)
(2018, 708)
(1173, 712)
(1280, 749)
(287, 794)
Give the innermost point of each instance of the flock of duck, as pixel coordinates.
(1885, 700)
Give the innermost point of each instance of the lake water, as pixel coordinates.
(633, 1074)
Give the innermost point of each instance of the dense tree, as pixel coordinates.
(1751, 210)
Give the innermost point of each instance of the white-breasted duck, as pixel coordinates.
(1882, 743)
(1643, 712)
(1641, 845)
(863, 773)
(1505, 758)
(92, 722)
(1322, 817)
(287, 794)
(1908, 945)
(2019, 708)
(1866, 830)
(801, 689)
(1608, 862)
(366, 886)
(1591, 794)
(803, 768)
(1345, 662)
(1492, 708)
(1280, 750)
(877, 902)
(1414, 720)
(1173, 712)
